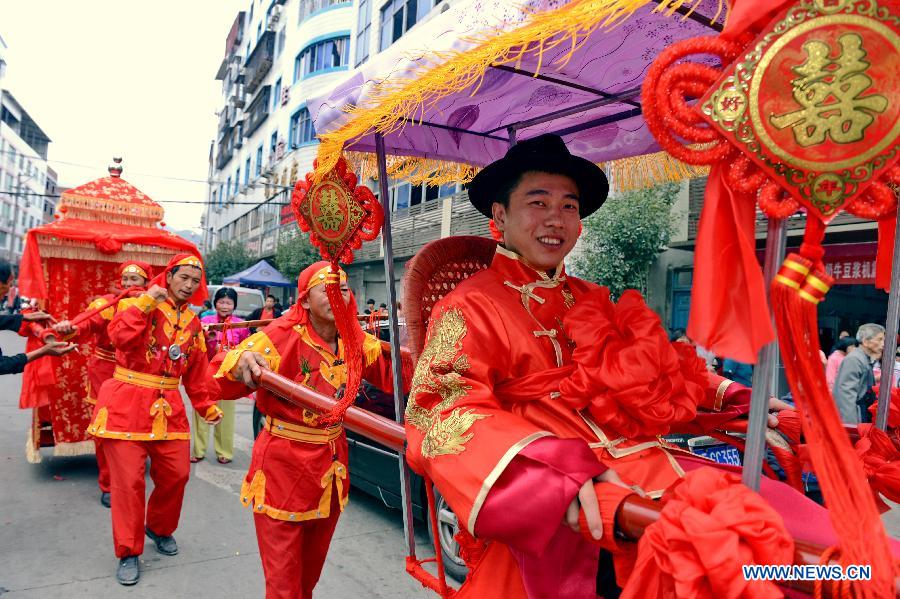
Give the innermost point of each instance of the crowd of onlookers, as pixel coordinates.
(852, 369)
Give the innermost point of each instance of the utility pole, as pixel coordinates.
(15, 225)
(20, 179)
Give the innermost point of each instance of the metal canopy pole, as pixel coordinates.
(890, 333)
(399, 400)
(763, 374)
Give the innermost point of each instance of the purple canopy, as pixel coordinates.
(592, 98)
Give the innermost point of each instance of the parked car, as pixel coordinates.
(375, 470)
(248, 300)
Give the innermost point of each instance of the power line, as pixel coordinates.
(167, 177)
(199, 203)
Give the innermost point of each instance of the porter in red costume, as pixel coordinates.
(102, 363)
(298, 483)
(139, 413)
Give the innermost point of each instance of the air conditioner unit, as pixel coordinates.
(274, 17)
(285, 96)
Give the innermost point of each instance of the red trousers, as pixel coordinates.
(293, 553)
(102, 466)
(170, 468)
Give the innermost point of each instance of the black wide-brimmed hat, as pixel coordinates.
(545, 153)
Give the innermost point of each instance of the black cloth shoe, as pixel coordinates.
(165, 545)
(104, 499)
(128, 572)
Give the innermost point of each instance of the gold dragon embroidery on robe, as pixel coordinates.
(439, 371)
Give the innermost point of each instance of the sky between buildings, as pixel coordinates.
(131, 78)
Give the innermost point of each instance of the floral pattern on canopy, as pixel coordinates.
(446, 93)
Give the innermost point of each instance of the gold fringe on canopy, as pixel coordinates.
(639, 172)
(392, 102)
(67, 450)
(626, 174)
(32, 451)
(55, 247)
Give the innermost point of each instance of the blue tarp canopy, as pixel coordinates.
(261, 274)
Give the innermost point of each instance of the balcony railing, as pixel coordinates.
(258, 110)
(259, 62)
(309, 7)
(417, 225)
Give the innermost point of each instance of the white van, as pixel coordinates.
(248, 300)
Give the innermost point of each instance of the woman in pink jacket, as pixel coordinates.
(841, 347)
(224, 303)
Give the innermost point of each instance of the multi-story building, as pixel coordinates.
(23, 175)
(276, 56)
(277, 53)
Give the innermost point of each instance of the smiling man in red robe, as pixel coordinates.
(534, 386)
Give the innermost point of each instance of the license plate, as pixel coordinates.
(723, 454)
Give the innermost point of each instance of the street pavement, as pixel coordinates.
(56, 538)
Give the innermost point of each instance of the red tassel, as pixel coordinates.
(848, 497)
(351, 334)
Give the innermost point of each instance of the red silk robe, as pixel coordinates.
(505, 451)
(142, 331)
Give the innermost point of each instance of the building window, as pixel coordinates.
(276, 97)
(214, 198)
(363, 25)
(221, 195)
(302, 130)
(259, 159)
(273, 143)
(247, 172)
(228, 187)
(321, 56)
(311, 7)
(399, 16)
(279, 43)
(237, 179)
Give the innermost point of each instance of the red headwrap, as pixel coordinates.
(311, 276)
(137, 267)
(202, 293)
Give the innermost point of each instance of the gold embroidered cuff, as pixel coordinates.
(146, 303)
(259, 343)
(720, 394)
(213, 413)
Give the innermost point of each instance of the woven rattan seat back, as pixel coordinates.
(434, 272)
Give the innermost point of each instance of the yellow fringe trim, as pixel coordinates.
(626, 174)
(73, 449)
(32, 451)
(393, 101)
(54, 247)
(638, 172)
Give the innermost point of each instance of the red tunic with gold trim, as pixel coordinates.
(296, 462)
(157, 345)
(495, 416)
